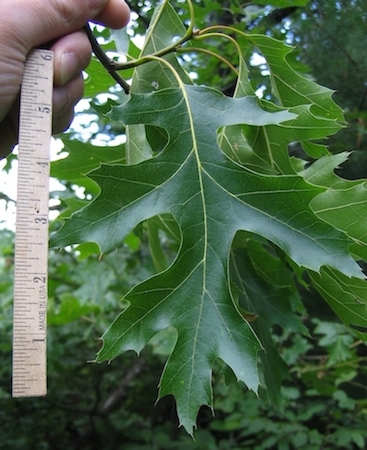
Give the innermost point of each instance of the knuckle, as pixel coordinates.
(73, 11)
(66, 11)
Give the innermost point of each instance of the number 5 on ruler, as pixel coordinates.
(31, 240)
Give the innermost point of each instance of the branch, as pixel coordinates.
(120, 392)
(107, 63)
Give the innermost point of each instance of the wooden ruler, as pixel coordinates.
(31, 242)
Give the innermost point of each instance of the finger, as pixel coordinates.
(63, 122)
(72, 54)
(8, 134)
(50, 19)
(64, 99)
(115, 15)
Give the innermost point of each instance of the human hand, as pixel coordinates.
(25, 24)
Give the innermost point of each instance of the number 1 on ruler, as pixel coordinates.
(31, 239)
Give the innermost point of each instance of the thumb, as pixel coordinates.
(36, 22)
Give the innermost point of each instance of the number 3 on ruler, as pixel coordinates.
(31, 239)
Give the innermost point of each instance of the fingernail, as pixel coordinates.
(69, 67)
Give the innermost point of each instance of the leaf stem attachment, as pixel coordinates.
(190, 33)
(107, 63)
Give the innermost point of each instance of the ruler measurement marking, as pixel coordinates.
(31, 247)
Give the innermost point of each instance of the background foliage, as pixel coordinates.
(321, 403)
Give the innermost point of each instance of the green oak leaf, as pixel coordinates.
(164, 26)
(322, 172)
(264, 294)
(275, 207)
(345, 209)
(344, 203)
(266, 149)
(82, 158)
(346, 296)
(211, 197)
(290, 87)
(318, 116)
(270, 267)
